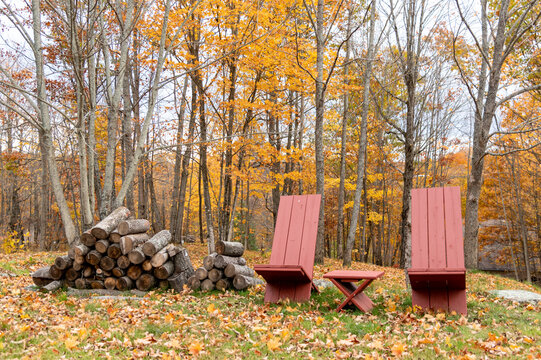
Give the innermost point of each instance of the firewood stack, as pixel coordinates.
(224, 269)
(118, 253)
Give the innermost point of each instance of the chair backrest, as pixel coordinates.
(436, 229)
(295, 233)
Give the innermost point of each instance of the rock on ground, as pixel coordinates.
(518, 295)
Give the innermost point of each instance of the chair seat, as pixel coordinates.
(437, 278)
(283, 273)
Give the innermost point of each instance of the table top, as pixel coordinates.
(353, 274)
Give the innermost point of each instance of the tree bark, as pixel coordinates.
(361, 155)
(221, 261)
(134, 226)
(230, 248)
(156, 243)
(102, 229)
(233, 269)
(130, 242)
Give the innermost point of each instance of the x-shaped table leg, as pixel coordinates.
(354, 294)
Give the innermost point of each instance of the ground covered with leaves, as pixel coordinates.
(168, 325)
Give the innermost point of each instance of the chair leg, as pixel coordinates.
(457, 301)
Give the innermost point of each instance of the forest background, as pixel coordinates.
(200, 114)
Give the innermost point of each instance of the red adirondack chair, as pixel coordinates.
(437, 273)
(289, 274)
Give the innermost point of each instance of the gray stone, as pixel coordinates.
(518, 295)
(323, 283)
(106, 294)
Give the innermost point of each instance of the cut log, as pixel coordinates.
(134, 272)
(146, 265)
(63, 262)
(207, 285)
(107, 264)
(221, 261)
(215, 274)
(164, 271)
(133, 226)
(55, 272)
(157, 242)
(93, 257)
(110, 283)
(233, 269)
(81, 250)
(114, 236)
(96, 284)
(114, 251)
(71, 274)
(102, 274)
(52, 286)
(172, 250)
(79, 259)
(230, 248)
(145, 282)
(241, 282)
(118, 272)
(88, 271)
(88, 239)
(77, 267)
(102, 229)
(163, 284)
(194, 283)
(160, 257)
(201, 273)
(177, 282)
(183, 263)
(208, 261)
(130, 242)
(42, 277)
(137, 256)
(124, 283)
(223, 284)
(123, 262)
(102, 246)
(82, 283)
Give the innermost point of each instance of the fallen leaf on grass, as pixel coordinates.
(273, 344)
(195, 347)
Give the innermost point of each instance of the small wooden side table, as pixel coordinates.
(345, 281)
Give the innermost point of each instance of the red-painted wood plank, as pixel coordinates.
(438, 279)
(290, 271)
(309, 235)
(453, 228)
(353, 274)
(281, 230)
(420, 297)
(296, 228)
(419, 229)
(457, 301)
(436, 229)
(439, 298)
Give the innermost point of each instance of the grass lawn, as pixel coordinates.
(231, 325)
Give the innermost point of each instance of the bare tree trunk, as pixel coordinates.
(204, 167)
(173, 213)
(320, 113)
(69, 227)
(345, 116)
(361, 156)
(504, 37)
(113, 99)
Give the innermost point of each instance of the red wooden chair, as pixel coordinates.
(437, 274)
(289, 274)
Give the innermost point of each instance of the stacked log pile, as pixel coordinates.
(224, 269)
(118, 253)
